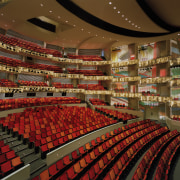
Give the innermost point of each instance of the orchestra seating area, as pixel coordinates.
(6, 104)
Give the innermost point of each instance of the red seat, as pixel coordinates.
(53, 170)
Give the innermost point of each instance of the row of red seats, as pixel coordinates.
(148, 93)
(91, 153)
(96, 101)
(86, 72)
(116, 114)
(175, 117)
(59, 85)
(145, 165)
(31, 83)
(86, 57)
(28, 45)
(121, 106)
(42, 125)
(165, 163)
(117, 170)
(18, 63)
(7, 83)
(9, 161)
(6, 104)
(90, 86)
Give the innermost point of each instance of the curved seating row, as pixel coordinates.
(86, 57)
(6, 104)
(18, 63)
(96, 101)
(97, 155)
(165, 162)
(146, 163)
(116, 114)
(59, 85)
(7, 83)
(28, 45)
(31, 83)
(91, 86)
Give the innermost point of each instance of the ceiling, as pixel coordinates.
(94, 24)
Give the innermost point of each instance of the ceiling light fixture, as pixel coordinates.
(2, 14)
(82, 29)
(114, 7)
(126, 19)
(139, 27)
(13, 20)
(66, 21)
(74, 25)
(89, 32)
(96, 35)
(50, 11)
(118, 12)
(41, 5)
(122, 15)
(129, 21)
(133, 24)
(110, 2)
(59, 17)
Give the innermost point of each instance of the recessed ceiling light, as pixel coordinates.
(110, 2)
(50, 11)
(74, 25)
(82, 29)
(118, 12)
(103, 37)
(139, 27)
(126, 19)
(133, 24)
(114, 7)
(129, 21)
(89, 32)
(122, 15)
(13, 20)
(59, 17)
(96, 35)
(41, 5)
(5, 25)
(66, 21)
(2, 14)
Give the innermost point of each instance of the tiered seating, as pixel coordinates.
(28, 45)
(116, 114)
(50, 127)
(92, 161)
(9, 161)
(86, 72)
(31, 83)
(143, 168)
(96, 101)
(121, 106)
(6, 104)
(7, 83)
(59, 85)
(85, 57)
(165, 163)
(90, 86)
(118, 169)
(18, 63)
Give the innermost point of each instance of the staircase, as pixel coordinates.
(26, 154)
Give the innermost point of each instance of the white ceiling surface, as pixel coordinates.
(80, 34)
